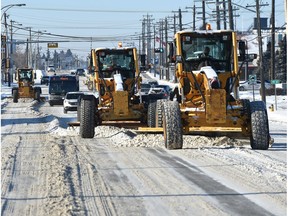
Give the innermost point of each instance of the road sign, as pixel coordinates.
(252, 79)
(158, 50)
(274, 82)
(52, 45)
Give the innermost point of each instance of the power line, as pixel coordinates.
(97, 10)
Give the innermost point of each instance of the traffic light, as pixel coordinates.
(242, 48)
(158, 50)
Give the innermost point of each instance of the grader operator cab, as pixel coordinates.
(25, 78)
(117, 80)
(208, 102)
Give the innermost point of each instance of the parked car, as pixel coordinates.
(145, 87)
(246, 85)
(70, 101)
(51, 69)
(154, 94)
(151, 82)
(167, 89)
(158, 92)
(44, 80)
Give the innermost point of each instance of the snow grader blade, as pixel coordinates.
(41, 99)
(149, 130)
(133, 125)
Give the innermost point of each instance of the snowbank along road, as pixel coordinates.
(47, 169)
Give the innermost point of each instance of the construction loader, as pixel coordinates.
(25, 79)
(207, 101)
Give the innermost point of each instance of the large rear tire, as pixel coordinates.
(151, 117)
(260, 126)
(87, 118)
(172, 125)
(15, 96)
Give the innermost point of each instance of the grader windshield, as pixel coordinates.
(198, 47)
(116, 61)
(25, 74)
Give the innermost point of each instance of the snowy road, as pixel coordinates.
(47, 169)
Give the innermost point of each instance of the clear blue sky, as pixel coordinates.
(111, 18)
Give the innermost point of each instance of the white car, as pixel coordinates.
(51, 69)
(246, 85)
(71, 100)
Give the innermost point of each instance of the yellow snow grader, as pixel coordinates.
(207, 96)
(25, 78)
(116, 80)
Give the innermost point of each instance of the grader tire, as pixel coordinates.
(260, 137)
(159, 113)
(151, 114)
(15, 96)
(87, 118)
(172, 125)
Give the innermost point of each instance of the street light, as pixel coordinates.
(10, 6)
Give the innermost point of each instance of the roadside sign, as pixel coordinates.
(274, 82)
(252, 79)
(52, 45)
(158, 50)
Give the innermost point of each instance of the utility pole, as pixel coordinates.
(218, 16)
(154, 46)
(203, 14)
(146, 38)
(174, 23)
(166, 51)
(230, 10)
(261, 72)
(149, 54)
(263, 93)
(161, 47)
(139, 44)
(224, 15)
(7, 61)
(143, 37)
(27, 55)
(193, 15)
(30, 49)
(272, 75)
(11, 53)
(180, 18)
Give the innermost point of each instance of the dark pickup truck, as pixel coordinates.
(155, 93)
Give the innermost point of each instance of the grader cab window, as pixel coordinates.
(116, 61)
(25, 75)
(195, 47)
